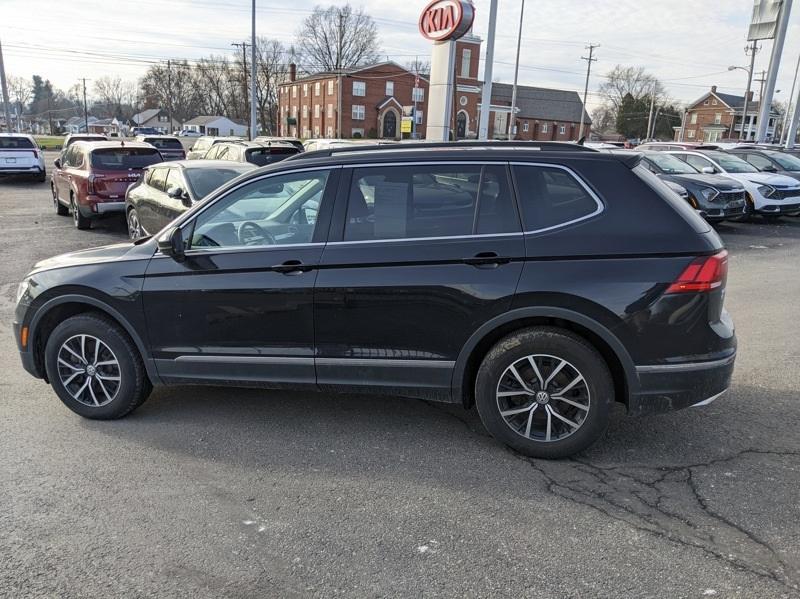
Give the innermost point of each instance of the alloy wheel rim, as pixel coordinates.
(134, 230)
(74, 213)
(88, 370)
(543, 398)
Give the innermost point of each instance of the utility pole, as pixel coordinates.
(589, 60)
(339, 45)
(765, 103)
(486, 96)
(169, 95)
(753, 51)
(6, 101)
(244, 70)
(85, 107)
(512, 119)
(253, 65)
(650, 116)
(789, 105)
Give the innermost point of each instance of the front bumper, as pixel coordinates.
(780, 209)
(717, 214)
(668, 387)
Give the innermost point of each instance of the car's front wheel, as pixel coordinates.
(545, 392)
(95, 368)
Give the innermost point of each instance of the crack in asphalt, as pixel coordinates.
(665, 501)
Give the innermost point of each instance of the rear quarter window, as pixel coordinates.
(551, 196)
(673, 199)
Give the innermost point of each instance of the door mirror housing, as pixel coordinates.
(180, 194)
(708, 170)
(57, 162)
(769, 169)
(170, 243)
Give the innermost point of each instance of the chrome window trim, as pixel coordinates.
(244, 249)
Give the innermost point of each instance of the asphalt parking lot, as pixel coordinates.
(244, 493)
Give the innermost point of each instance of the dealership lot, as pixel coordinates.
(221, 492)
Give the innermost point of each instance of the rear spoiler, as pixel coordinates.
(629, 158)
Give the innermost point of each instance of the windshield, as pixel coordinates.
(731, 164)
(787, 161)
(124, 158)
(164, 142)
(15, 143)
(670, 164)
(205, 180)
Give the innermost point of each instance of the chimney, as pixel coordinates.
(292, 72)
(713, 89)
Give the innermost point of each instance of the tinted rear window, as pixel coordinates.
(161, 142)
(262, 156)
(551, 196)
(14, 143)
(206, 180)
(124, 158)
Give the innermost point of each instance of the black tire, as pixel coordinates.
(580, 356)
(771, 218)
(81, 222)
(61, 210)
(134, 385)
(41, 177)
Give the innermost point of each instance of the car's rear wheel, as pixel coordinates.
(134, 226)
(81, 222)
(61, 210)
(95, 368)
(545, 392)
(41, 177)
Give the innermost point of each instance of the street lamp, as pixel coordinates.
(749, 72)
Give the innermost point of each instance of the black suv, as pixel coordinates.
(539, 282)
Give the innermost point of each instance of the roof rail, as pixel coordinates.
(555, 146)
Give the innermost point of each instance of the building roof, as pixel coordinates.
(732, 101)
(206, 119)
(542, 103)
(145, 115)
(351, 71)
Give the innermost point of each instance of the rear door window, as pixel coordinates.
(397, 202)
(550, 196)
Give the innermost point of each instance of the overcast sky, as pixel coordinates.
(688, 44)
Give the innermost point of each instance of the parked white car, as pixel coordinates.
(767, 194)
(188, 133)
(21, 155)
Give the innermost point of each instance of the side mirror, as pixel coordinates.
(708, 170)
(57, 162)
(175, 192)
(769, 169)
(170, 243)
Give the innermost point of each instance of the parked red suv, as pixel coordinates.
(91, 178)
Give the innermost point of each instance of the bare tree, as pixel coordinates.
(115, 96)
(272, 71)
(603, 119)
(215, 83)
(173, 86)
(20, 92)
(419, 66)
(635, 81)
(337, 37)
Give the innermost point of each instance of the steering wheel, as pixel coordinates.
(250, 233)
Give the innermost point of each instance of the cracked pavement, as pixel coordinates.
(243, 493)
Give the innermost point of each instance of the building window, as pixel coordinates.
(330, 111)
(690, 134)
(544, 127)
(330, 87)
(359, 88)
(329, 132)
(294, 91)
(305, 90)
(390, 88)
(419, 115)
(317, 88)
(418, 94)
(705, 103)
(714, 102)
(562, 129)
(316, 131)
(466, 58)
(316, 111)
(693, 120)
(294, 111)
(525, 126)
(357, 133)
(305, 111)
(358, 112)
(717, 118)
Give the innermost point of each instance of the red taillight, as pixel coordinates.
(703, 274)
(90, 184)
(36, 154)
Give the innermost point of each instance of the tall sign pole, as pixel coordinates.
(6, 101)
(253, 70)
(765, 103)
(486, 96)
(511, 119)
(443, 22)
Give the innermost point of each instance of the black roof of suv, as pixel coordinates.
(538, 282)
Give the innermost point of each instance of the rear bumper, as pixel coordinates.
(21, 170)
(668, 387)
(95, 206)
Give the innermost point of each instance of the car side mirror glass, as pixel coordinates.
(170, 243)
(57, 162)
(175, 192)
(769, 169)
(708, 170)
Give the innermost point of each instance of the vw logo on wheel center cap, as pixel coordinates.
(542, 397)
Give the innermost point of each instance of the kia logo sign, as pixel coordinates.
(446, 19)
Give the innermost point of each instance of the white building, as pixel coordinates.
(216, 126)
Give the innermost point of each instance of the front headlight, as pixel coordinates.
(22, 289)
(709, 193)
(766, 190)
